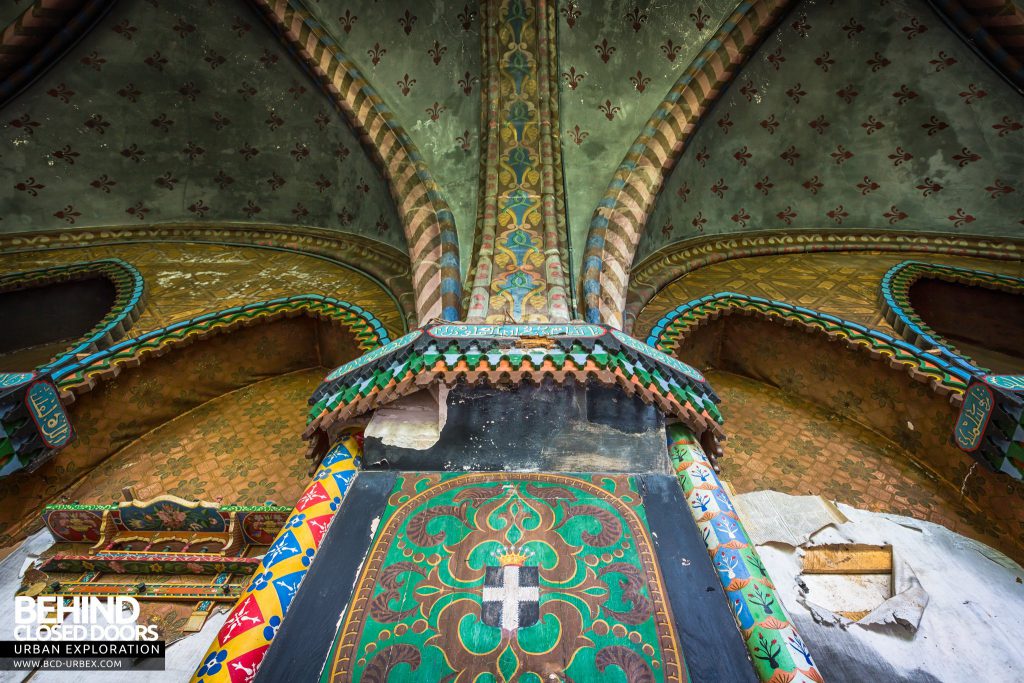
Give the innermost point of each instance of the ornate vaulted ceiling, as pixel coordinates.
(185, 111)
(882, 118)
(195, 111)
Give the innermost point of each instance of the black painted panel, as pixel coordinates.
(548, 428)
(301, 645)
(711, 641)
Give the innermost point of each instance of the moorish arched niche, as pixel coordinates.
(241, 374)
(56, 313)
(853, 373)
(972, 314)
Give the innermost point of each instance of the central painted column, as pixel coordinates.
(517, 270)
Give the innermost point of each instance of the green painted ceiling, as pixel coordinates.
(423, 59)
(185, 111)
(875, 118)
(617, 62)
(12, 9)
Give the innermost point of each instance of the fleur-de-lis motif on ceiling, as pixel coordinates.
(347, 21)
(604, 50)
(998, 189)
(801, 26)
(847, 94)
(684, 191)
(825, 61)
(719, 188)
(838, 214)
(405, 84)
(670, 50)
(94, 61)
(790, 155)
(795, 93)
(156, 61)
(841, 155)
(199, 208)
(166, 181)
(894, 215)
(786, 215)
(61, 92)
(572, 78)
(742, 155)
(103, 183)
(132, 151)
(214, 59)
(725, 123)
(933, 125)
(852, 28)
(914, 28)
(699, 221)
(878, 62)
(435, 110)
(667, 228)
(464, 140)
(466, 83)
(900, 156)
(699, 18)
(466, 17)
(183, 28)
(251, 209)
(436, 52)
(872, 125)
(929, 187)
(125, 29)
(972, 94)
(240, 26)
(578, 135)
(322, 183)
(904, 94)
(639, 81)
(130, 92)
(67, 214)
(776, 59)
(375, 53)
(867, 186)
(636, 18)
(608, 109)
(571, 12)
(813, 184)
(30, 186)
(1006, 125)
(764, 185)
(407, 21)
(942, 61)
(749, 90)
(961, 218)
(770, 124)
(965, 156)
(741, 216)
(138, 210)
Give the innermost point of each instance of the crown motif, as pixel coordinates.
(509, 556)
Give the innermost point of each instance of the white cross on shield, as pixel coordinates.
(511, 597)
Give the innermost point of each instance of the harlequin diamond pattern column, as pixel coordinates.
(238, 650)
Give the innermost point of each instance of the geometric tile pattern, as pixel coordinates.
(187, 280)
(242, 448)
(844, 284)
(785, 443)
